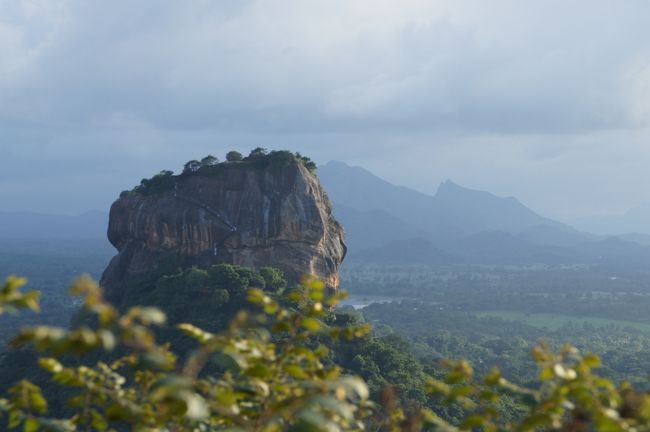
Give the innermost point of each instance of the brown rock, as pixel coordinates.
(235, 214)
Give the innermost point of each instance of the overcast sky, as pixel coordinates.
(548, 101)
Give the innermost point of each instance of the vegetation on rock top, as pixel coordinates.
(258, 158)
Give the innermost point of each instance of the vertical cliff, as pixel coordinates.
(236, 213)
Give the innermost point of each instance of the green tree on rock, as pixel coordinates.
(234, 156)
(209, 160)
(191, 166)
(258, 153)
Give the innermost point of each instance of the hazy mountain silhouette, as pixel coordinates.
(642, 239)
(389, 223)
(635, 220)
(405, 252)
(454, 211)
(474, 211)
(386, 223)
(499, 247)
(373, 228)
(359, 189)
(555, 236)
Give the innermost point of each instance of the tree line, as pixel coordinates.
(258, 158)
(273, 372)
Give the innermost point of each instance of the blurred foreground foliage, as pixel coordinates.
(274, 375)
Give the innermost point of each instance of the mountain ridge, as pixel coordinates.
(462, 225)
(634, 221)
(456, 224)
(454, 210)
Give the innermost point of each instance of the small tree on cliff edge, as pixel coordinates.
(209, 160)
(257, 154)
(234, 156)
(307, 162)
(191, 166)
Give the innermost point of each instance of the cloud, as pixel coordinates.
(532, 99)
(312, 65)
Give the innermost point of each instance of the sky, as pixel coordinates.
(548, 101)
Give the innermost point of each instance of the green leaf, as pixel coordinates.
(258, 371)
(295, 371)
(31, 425)
(473, 421)
(591, 361)
(547, 374)
(148, 315)
(99, 422)
(311, 324)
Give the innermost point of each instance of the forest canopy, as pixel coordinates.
(275, 373)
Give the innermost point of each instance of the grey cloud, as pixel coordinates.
(533, 99)
(287, 66)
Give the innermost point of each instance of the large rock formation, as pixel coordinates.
(235, 213)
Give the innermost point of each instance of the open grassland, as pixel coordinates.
(555, 321)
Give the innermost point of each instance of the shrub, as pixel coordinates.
(261, 385)
(280, 159)
(274, 279)
(209, 160)
(234, 156)
(161, 182)
(259, 158)
(191, 166)
(307, 162)
(275, 374)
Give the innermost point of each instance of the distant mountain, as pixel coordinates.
(359, 189)
(473, 211)
(405, 252)
(454, 211)
(636, 220)
(499, 247)
(36, 226)
(615, 251)
(373, 228)
(642, 239)
(386, 223)
(550, 235)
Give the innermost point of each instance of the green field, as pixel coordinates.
(555, 321)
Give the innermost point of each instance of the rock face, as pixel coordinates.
(278, 217)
